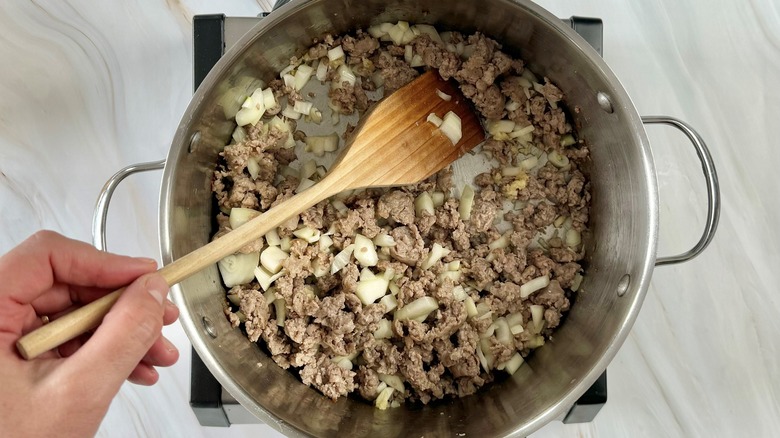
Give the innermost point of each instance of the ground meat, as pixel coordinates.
(487, 256)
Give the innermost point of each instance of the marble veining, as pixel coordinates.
(88, 87)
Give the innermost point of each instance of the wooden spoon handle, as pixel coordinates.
(88, 317)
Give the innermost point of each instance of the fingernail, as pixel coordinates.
(147, 260)
(169, 346)
(157, 294)
(170, 304)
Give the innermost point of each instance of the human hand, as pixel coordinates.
(66, 392)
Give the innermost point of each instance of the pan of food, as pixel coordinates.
(482, 301)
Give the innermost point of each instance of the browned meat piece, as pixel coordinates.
(329, 378)
(362, 45)
(436, 56)
(409, 244)
(397, 205)
(565, 273)
(368, 381)
(395, 72)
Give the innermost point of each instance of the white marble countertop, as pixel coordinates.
(88, 87)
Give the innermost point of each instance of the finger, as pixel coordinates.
(71, 347)
(171, 313)
(124, 337)
(144, 374)
(162, 353)
(48, 258)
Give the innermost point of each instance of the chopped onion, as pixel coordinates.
(484, 346)
(281, 311)
(322, 72)
(529, 163)
(383, 399)
(451, 127)
(239, 216)
(427, 29)
(537, 315)
(385, 330)
(265, 278)
(345, 75)
(378, 79)
(459, 293)
(522, 132)
(307, 169)
(466, 202)
(269, 100)
(286, 243)
(567, 140)
(419, 308)
(270, 295)
(512, 105)
(302, 107)
(290, 113)
(557, 159)
(272, 259)
(376, 31)
(302, 76)
(341, 259)
(325, 242)
(272, 238)
(303, 185)
(471, 308)
(383, 239)
(339, 205)
(501, 242)
(236, 268)
(573, 238)
(365, 252)
(503, 333)
(434, 119)
(453, 265)
(371, 289)
(308, 234)
(515, 319)
(392, 381)
(366, 273)
(239, 134)
(394, 289)
(513, 364)
(319, 144)
(396, 33)
(316, 115)
(438, 199)
(511, 171)
(496, 126)
(289, 80)
(436, 253)
(390, 302)
(336, 53)
(417, 61)
(253, 167)
(423, 204)
(319, 269)
(452, 275)
(343, 363)
(576, 283)
(250, 113)
(534, 285)
(408, 53)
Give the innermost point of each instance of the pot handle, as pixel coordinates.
(101, 209)
(713, 188)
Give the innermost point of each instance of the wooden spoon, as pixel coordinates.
(393, 145)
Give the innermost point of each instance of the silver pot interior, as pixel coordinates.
(623, 224)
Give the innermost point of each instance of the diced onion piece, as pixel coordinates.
(408, 53)
(308, 234)
(419, 308)
(557, 159)
(339, 205)
(529, 163)
(392, 381)
(366, 273)
(513, 364)
(302, 76)
(427, 29)
(376, 31)
(289, 80)
(576, 282)
(434, 119)
(451, 127)
(436, 253)
(503, 333)
(371, 289)
(303, 107)
(417, 61)
(501, 242)
(249, 115)
(512, 105)
(514, 319)
(322, 72)
(269, 100)
(496, 126)
(384, 330)
(319, 269)
(239, 134)
(236, 268)
(319, 144)
(522, 132)
(272, 259)
(239, 216)
(482, 359)
(384, 240)
(484, 347)
(286, 243)
(453, 265)
(344, 363)
(568, 140)
(471, 308)
(396, 33)
(534, 285)
(408, 36)
(341, 259)
(382, 401)
(438, 199)
(316, 115)
(466, 202)
(325, 242)
(345, 75)
(365, 252)
(573, 238)
(423, 204)
(394, 289)
(452, 275)
(270, 295)
(272, 238)
(378, 79)
(459, 293)
(388, 274)
(253, 167)
(303, 185)
(336, 53)
(277, 123)
(389, 302)
(265, 278)
(290, 113)
(307, 169)
(385, 27)
(511, 171)
(286, 70)
(281, 311)
(537, 315)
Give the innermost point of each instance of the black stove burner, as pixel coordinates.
(213, 406)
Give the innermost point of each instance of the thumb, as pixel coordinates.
(123, 338)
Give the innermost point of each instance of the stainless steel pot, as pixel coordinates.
(622, 252)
